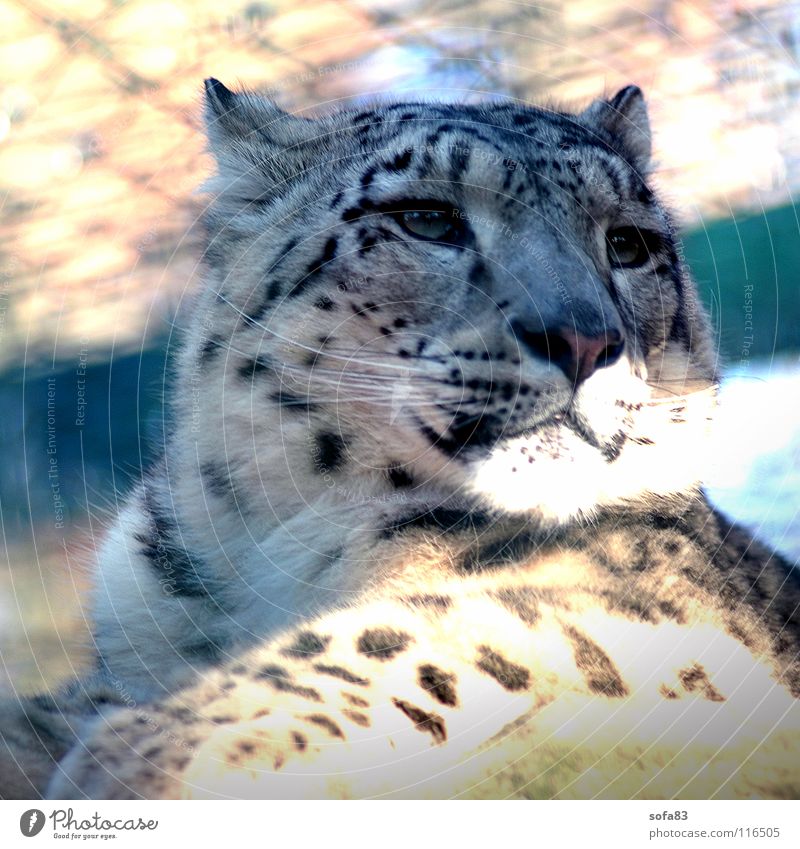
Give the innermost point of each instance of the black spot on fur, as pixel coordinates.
(209, 348)
(217, 480)
(696, 678)
(383, 643)
(325, 303)
(459, 163)
(438, 683)
(258, 365)
(328, 255)
(431, 723)
(366, 243)
(184, 715)
(299, 741)
(601, 674)
(342, 673)
(478, 273)
(521, 601)
(280, 680)
(356, 716)
(355, 700)
(223, 719)
(510, 676)
(430, 601)
(306, 644)
(325, 722)
(287, 249)
(400, 162)
(354, 213)
(292, 403)
(330, 451)
(399, 477)
(177, 572)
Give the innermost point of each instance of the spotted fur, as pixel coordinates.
(430, 519)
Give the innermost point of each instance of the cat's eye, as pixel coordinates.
(429, 220)
(630, 247)
(428, 224)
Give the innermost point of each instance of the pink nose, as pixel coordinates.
(577, 355)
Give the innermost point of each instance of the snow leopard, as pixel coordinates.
(430, 519)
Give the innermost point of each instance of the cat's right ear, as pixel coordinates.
(230, 116)
(249, 135)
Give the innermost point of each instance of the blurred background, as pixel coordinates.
(100, 151)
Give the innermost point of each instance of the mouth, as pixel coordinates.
(465, 432)
(469, 435)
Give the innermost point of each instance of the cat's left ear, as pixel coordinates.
(623, 120)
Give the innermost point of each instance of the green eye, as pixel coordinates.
(434, 224)
(630, 247)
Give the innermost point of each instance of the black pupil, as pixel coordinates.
(628, 247)
(623, 242)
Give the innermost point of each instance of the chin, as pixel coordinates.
(566, 471)
(554, 475)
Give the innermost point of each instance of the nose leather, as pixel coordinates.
(578, 355)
